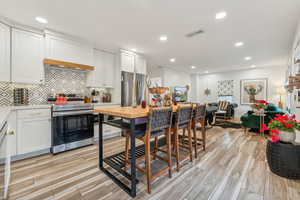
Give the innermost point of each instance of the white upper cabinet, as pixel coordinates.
(140, 65)
(27, 57)
(127, 62)
(4, 53)
(103, 75)
(131, 62)
(110, 69)
(68, 50)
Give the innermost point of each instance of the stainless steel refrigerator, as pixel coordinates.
(132, 88)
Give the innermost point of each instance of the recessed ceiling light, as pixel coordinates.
(172, 60)
(41, 20)
(248, 58)
(133, 50)
(163, 38)
(221, 15)
(253, 66)
(205, 72)
(193, 67)
(239, 44)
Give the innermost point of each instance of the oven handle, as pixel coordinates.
(68, 113)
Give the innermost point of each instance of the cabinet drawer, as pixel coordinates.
(34, 114)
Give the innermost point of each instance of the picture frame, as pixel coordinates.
(253, 90)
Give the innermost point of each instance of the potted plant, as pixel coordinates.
(282, 154)
(282, 128)
(259, 106)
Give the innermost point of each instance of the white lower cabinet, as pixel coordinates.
(34, 130)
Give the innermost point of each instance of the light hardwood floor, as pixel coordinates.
(233, 167)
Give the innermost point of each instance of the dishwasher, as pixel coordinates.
(4, 162)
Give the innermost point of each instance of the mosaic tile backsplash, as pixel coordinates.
(57, 80)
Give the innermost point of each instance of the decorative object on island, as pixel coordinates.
(167, 100)
(283, 128)
(180, 94)
(253, 89)
(144, 104)
(280, 91)
(157, 92)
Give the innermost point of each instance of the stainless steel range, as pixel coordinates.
(72, 126)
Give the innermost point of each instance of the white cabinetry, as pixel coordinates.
(4, 53)
(127, 62)
(140, 65)
(68, 50)
(12, 133)
(27, 57)
(104, 73)
(34, 130)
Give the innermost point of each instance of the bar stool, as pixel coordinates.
(183, 121)
(159, 123)
(199, 117)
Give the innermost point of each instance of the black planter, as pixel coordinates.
(284, 159)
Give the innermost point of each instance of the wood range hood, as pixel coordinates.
(64, 64)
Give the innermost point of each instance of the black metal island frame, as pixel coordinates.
(116, 161)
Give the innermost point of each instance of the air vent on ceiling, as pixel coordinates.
(192, 34)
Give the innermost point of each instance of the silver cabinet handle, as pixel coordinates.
(11, 132)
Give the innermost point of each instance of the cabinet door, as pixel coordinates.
(4, 53)
(12, 133)
(33, 135)
(140, 65)
(109, 77)
(68, 50)
(27, 57)
(96, 78)
(127, 62)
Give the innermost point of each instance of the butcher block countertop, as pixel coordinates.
(128, 112)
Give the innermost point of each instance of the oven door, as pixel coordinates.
(71, 127)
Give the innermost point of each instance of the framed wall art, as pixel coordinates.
(253, 90)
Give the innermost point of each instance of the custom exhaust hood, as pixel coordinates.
(64, 64)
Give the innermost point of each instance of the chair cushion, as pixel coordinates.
(223, 105)
(220, 112)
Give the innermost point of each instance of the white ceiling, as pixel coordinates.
(267, 28)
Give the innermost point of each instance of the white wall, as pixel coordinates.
(275, 75)
(172, 78)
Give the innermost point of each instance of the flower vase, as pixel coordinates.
(288, 137)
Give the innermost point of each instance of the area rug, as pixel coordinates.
(228, 124)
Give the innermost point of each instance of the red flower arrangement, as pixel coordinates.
(260, 104)
(281, 123)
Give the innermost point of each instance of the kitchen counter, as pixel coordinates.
(106, 104)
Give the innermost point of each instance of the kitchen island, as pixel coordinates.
(131, 118)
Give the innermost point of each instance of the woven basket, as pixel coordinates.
(284, 159)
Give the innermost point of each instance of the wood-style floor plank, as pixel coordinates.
(232, 167)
